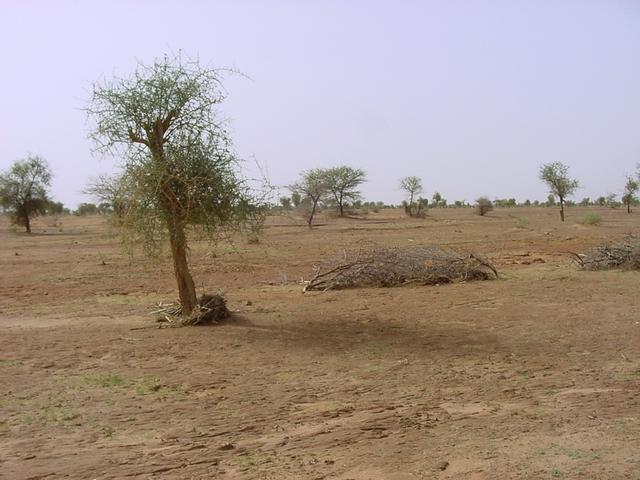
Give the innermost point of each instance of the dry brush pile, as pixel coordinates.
(393, 267)
(622, 255)
(211, 309)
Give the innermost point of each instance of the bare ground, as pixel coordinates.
(535, 375)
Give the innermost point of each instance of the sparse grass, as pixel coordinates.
(53, 411)
(107, 431)
(556, 473)
(593, 219)
(104, 380)
(522, 222)
(141, 386)
(8, 362)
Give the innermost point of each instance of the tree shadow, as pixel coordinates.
(345, 335)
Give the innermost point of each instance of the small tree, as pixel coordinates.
(311, 188)
(342, 182)
(556, 176)
(438, 200)
(413, 186)
(23, 190)
(86, 209)
(285, 203)
(110, 190)
(422, 205)
(483, 206)
(296, 199)
(630, 190)
(54, 208)
(179, 168)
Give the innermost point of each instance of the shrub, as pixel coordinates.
(483, 206)
(591, 219)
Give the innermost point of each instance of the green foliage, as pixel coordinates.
(55, 208)
(413, 186)
(206, 195)
(296, 199)
(342, 183)
(23, 190)
(611, 201)
(311, 188)
(86, 209)
(593, 219)
(556, 176)
(110, 191)
(285, 203)
(630, 191)
(505, 202)
(179, 168)
(437, 200)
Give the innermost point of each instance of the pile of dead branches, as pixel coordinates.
(210, 309)
(623, 255)
(393, 267)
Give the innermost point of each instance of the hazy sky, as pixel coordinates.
(472, 96)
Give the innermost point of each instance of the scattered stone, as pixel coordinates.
(226, 446)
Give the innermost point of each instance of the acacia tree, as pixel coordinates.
(630, 190)
(413, 186)
(23, 190)
(111, 190)
(342, 182)
(179, 170)
(311, 187)
(556, 176)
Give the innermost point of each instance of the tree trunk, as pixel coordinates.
(186, 287)
(561, 209)
(411, 205)
(27, 223)
(629, 207)
(341, 207)
(313, 212)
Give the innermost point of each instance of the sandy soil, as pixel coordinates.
(534, 375)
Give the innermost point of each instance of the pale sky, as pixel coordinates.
(472, 96)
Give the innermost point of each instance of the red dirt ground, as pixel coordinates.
(534, 375)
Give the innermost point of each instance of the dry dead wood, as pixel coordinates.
(392, 267)
(623, 255)
(210, 309)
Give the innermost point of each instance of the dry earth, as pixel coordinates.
(535, 375)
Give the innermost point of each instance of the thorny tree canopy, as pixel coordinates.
(179, 167)
(168, 99)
